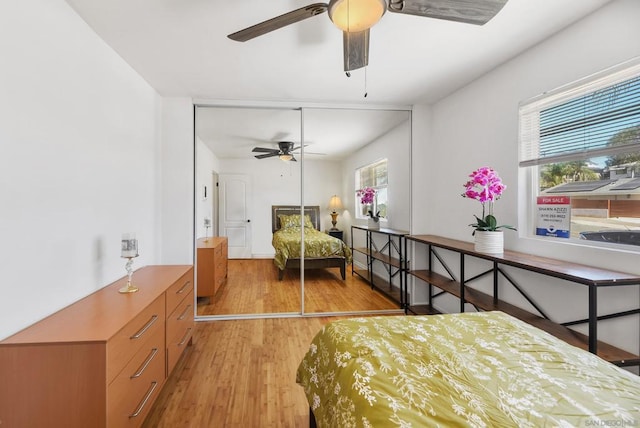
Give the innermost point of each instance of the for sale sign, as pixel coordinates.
(554, 216)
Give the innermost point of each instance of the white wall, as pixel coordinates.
(78, 161)
(177, 182)
(206, 164)
(478, 125)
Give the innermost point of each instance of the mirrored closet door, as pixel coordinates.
(247, 161)
(255, 168)
(342, 145)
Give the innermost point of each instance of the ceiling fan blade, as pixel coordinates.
(298, 147)
(268, 155)
(264, 150)
(356, 49)
(476, 12)
(278, 22)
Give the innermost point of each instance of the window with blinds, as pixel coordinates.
(374, 176)
(580, 144)
(600, 117)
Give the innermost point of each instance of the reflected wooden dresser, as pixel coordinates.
(102, 361)
(212, 256)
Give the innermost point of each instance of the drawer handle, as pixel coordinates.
(184, 313)
(140, 332)
(184, 287)
(185, 337)
(144, 365)
(144, 400)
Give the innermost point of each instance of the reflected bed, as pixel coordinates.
(321, 250)
(483, 369)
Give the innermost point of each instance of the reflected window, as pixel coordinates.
(371, 189)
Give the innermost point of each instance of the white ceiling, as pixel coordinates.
(329, 134)
(180, 47)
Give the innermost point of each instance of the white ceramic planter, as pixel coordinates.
(489, 242)
(372, 224)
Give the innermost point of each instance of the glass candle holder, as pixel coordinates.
(129, 251)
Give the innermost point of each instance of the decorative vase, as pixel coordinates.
(489, 242)
(373, 223)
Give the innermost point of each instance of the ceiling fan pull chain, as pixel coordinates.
(365, 82)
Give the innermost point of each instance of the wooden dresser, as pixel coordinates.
(102, 361)
(212, 256)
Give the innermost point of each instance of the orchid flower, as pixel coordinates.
(486, 187)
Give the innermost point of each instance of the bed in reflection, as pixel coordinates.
(483, 369)
(320, 249)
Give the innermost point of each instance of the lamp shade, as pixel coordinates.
(335, 204)
(354, 16)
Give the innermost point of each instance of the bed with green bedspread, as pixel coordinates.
(484, 369)
(287, 244)
(320, 249)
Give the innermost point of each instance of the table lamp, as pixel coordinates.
(335, 204)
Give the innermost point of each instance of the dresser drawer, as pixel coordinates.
(133, 336)
(133, 391)
(179, 330)
(179, 290)
(220, 280)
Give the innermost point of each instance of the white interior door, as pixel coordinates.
(235, 223)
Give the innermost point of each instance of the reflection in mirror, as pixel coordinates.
(345, 140)
(238, 194)
(242, 150)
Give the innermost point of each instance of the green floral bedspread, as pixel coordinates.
(316, 244)
(473, 369)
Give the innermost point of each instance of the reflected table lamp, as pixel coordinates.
(335, 204)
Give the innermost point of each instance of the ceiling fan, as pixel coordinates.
(356, 17)
(284, 151)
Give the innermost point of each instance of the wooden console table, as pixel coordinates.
(102, 361)
(391, 253)
(590, 276)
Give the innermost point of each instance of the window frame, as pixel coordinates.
(530, 166)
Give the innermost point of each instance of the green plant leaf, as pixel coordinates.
(491, 222)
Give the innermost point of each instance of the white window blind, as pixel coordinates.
(580, 120)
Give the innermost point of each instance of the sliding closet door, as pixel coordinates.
(255, 155)
(339, 145)
(253, 164)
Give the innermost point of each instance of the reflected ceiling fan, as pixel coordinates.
(284, 151)
(356, 17)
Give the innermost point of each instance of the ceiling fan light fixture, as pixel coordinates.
(354, 16)
(285, 157)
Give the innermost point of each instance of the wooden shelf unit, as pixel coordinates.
(389, 250)
(581, 274)
(102, 361)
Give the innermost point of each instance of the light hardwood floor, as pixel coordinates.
(239, 373)
(252, 287)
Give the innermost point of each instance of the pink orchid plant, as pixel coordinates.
(486, 187)
(367, 196)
